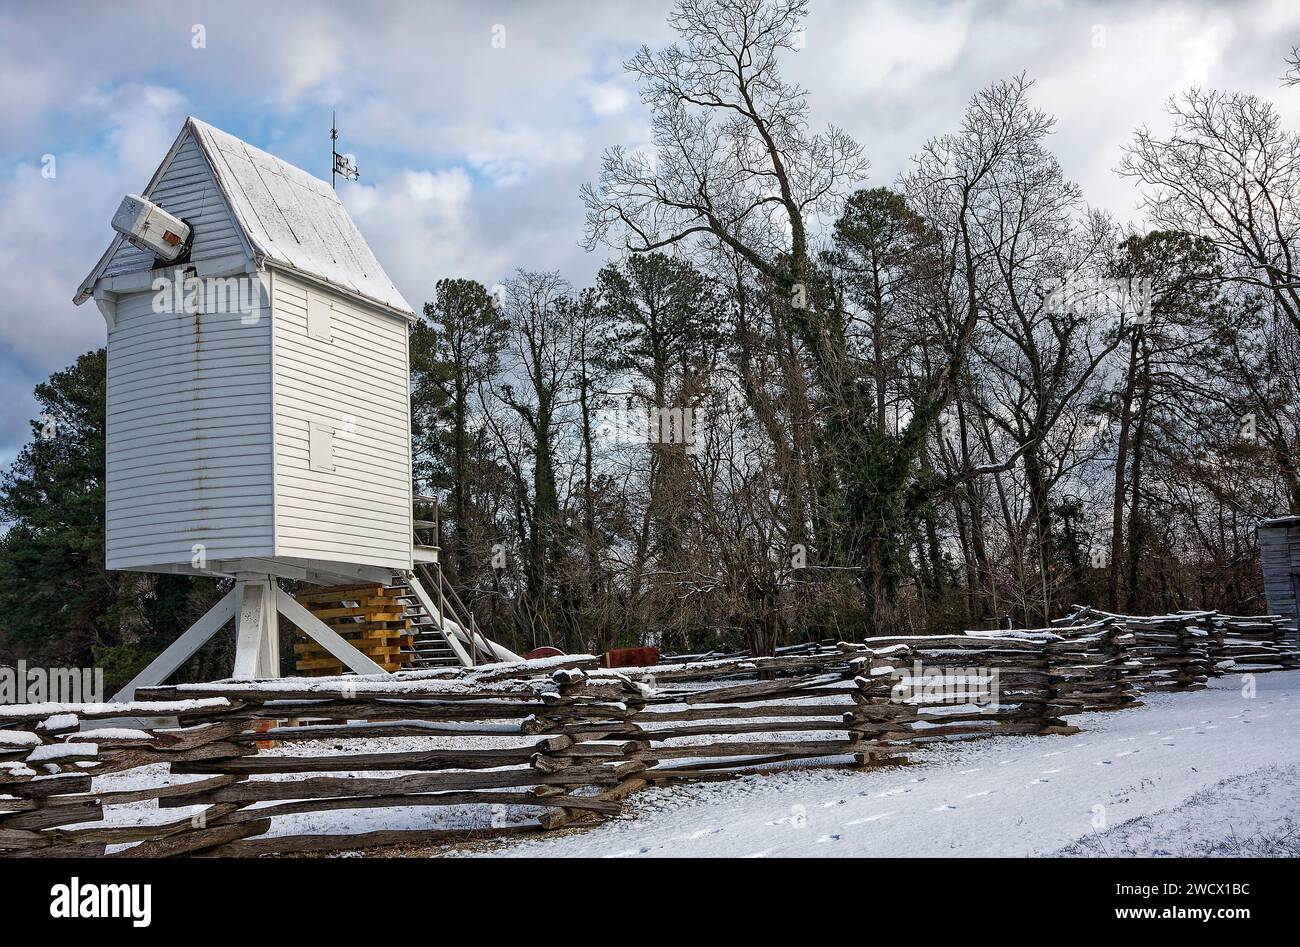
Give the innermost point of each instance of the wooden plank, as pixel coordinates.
(338, 843)
(195, 841)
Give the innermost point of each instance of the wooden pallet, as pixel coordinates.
(368, 616)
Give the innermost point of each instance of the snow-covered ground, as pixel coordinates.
(1208, 773)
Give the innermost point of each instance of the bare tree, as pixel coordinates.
(537, 389)
(737, 167)
(1228, 172)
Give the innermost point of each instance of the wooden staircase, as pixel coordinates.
(430, 647)
(433, 647)
(415, 621)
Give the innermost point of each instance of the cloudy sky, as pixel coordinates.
(472, 154)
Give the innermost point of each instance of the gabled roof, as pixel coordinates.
(287, 217)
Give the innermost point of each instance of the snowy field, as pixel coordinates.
(1206, 773)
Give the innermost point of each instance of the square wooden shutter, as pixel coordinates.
(320, 447)
(318, 318)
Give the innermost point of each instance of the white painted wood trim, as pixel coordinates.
(266, 282)
(410, 449)
(107, 304)
(253, 629)
(315, 571)
(143, 280)
(268, 652)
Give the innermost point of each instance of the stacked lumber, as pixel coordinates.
(370, 616)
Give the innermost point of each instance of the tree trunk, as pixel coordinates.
(1121, 477)
(1136, 529)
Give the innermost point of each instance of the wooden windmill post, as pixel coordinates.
(258, 395)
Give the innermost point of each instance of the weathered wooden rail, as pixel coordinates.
(249, 768)
(1181, 651)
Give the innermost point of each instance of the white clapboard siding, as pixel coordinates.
(356, 386)
(189, 436)
(186, 188)
(255, 438)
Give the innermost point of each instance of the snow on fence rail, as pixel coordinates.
(240, 768)
(1182, 651)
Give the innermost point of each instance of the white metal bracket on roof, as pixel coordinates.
(107, 303)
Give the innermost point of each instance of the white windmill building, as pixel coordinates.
(258, 399)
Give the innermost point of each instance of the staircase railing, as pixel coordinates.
(448, 602)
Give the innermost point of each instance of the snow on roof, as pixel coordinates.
(289, 218)
(294, 219)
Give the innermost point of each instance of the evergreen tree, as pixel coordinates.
(455, 354)
(57, 601)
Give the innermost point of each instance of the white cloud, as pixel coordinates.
(317, 58)
(417, 222)
(858, 49)
(446, 189)
(508, 154)
(608, 98)
(56, 228)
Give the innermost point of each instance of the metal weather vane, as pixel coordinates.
(342, 164)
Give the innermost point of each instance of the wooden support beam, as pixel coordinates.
(179, 651)
(257, 646)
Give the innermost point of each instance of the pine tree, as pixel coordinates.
(57, 601)
(455, 354)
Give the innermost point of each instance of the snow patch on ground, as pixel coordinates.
(1256, 815)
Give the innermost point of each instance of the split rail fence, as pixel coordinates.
(251, 768)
